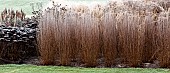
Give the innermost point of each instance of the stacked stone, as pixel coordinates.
(17, 36)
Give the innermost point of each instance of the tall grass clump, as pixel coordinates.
(116, 34)
(110, 39)
(163, 55)
(47, 46)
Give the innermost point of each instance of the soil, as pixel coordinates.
(35, 61)
(32, 60)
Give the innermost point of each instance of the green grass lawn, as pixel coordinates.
(12, 68)
(20, 4)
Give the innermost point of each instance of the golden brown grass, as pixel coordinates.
(129, 32)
